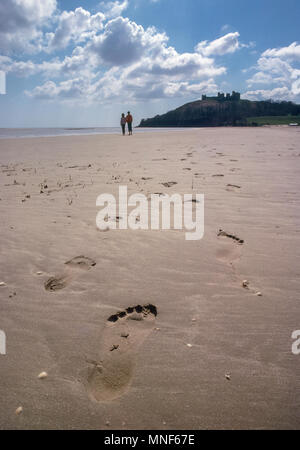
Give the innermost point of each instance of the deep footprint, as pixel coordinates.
(125, 331)
(61, 281)
(56, 283)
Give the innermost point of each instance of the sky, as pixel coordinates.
(81, 63)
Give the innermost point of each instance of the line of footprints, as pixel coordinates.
(125, 331)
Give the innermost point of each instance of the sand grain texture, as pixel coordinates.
(216, 355)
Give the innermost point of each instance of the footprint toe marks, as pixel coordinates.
(56, 283)
(144, 310)
(231, 236)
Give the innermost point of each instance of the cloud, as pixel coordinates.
(68, 90)
(76, 26)
(21, 22)
(168, 89)
(114, 57)
(290, 53)
(171, 64)
(229, 43)
(80, 62)
(279, 93)
(225, 27)
(113, 9)
(124, 42)
(279, 69)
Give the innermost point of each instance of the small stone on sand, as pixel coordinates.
(42, 375)
(19, 410)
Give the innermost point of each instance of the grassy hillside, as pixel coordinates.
(213, 113)
(273, 120)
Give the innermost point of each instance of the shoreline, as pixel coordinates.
(62, 132)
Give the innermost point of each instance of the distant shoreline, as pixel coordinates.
(20, 133)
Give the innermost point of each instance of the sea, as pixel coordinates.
(6, 133)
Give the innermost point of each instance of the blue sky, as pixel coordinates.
(83, 62)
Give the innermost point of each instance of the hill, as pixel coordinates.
(225, 111)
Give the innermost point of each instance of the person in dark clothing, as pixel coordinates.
(123, 123)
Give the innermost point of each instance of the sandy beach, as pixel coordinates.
(209, 352)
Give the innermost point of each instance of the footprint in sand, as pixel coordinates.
(232, 187)
(125, 332)
(73, 267)
(226, 251)
(169, 184)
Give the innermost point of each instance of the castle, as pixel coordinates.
(235, 96)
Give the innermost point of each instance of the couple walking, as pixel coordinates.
(128, 119)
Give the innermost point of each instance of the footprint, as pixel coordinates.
(57, 283)
(124, 334)
(232, 187)
(227, 252)
(84, 262)
(78, 263)
(169, 184)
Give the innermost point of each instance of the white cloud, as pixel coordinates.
(170, 64)
(279, 69)
(76, 26)
(80, 62)
(20, 24)
(113, 9)
(124, 42)
(290, 53)
(229, 43)
(279, 93)
(66, 90)
(115, 58)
